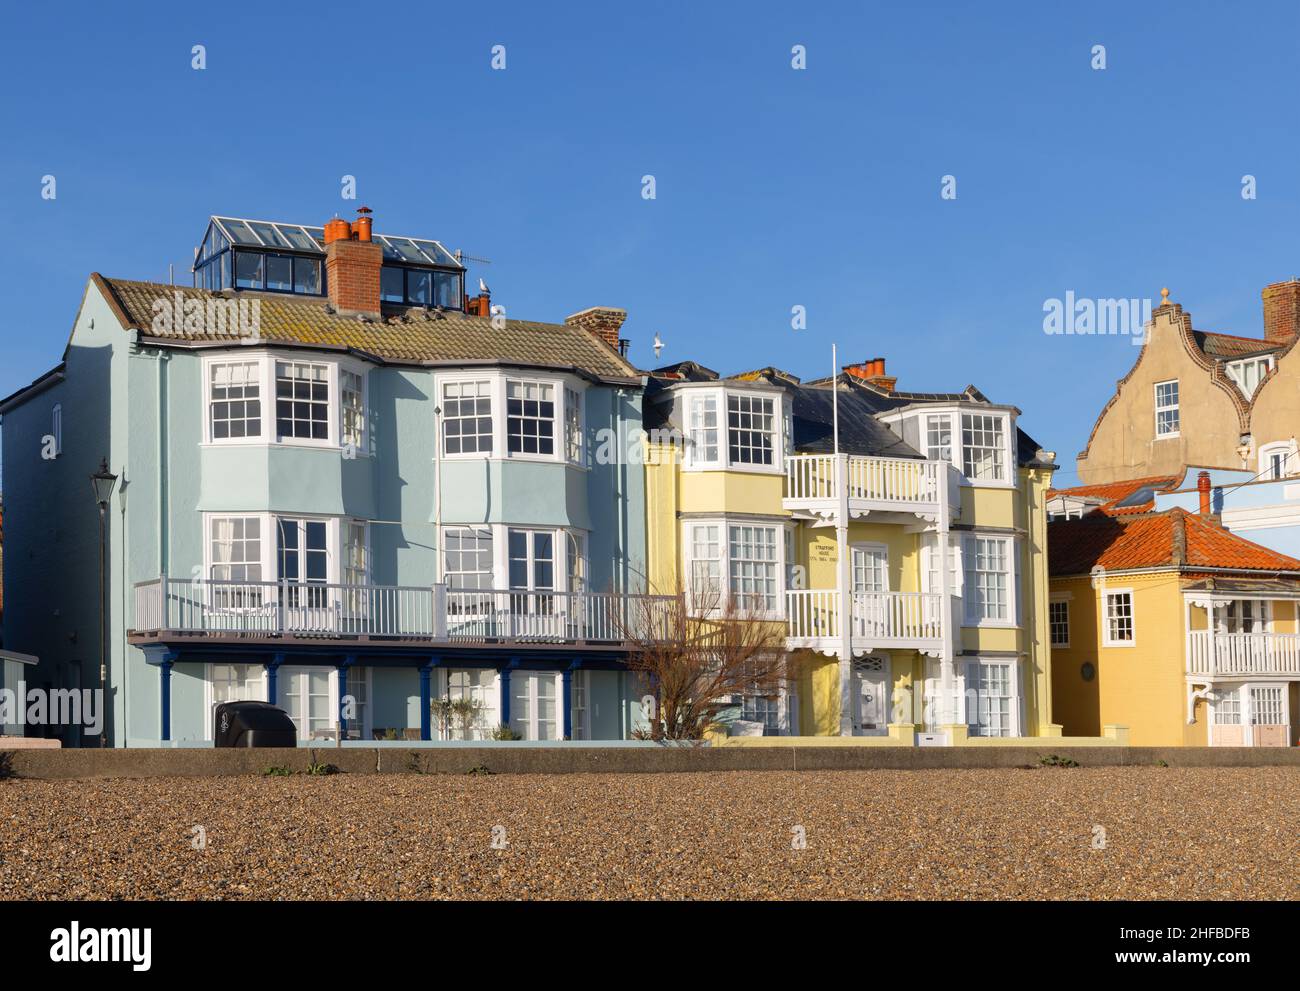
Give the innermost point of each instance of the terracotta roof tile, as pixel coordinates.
(1172, 539)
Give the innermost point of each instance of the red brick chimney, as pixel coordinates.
(352, 264)
(1203, 490)
(873, 370)
(480, 305)
(603, 321)
(1282, 311)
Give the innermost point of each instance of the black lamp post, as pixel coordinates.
(102, 482)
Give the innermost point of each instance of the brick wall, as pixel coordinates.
(1282, 311)
(603, 321)
(352, 272)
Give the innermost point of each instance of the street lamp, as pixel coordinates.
(102, 483)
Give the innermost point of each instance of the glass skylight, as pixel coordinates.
(271, 234)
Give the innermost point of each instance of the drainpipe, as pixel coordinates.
(948, 709)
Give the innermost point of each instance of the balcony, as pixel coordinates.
(1232, 655)
(902, 485)
(392, 613)
(903, 620)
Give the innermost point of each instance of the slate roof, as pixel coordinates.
(1172, 539)
(1229, 347)
(404, 335)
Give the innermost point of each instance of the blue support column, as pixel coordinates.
(426, 702)
(505, 696)
(165, 687)
(272, 668)
(566, 701)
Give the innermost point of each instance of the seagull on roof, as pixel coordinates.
(658, 345)
(482, 286)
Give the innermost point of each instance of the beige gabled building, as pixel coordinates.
(1195, 397)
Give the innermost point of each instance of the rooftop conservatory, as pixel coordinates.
(290, 258)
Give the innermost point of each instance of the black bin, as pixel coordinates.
(253, 724)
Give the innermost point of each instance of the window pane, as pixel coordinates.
(983, 447)
(235, 409)
(419, 288)
(467, 417)
(749, 430)
(279, 272)
(302, 400)
(392, 284)
(446, 290)
(530, 418)
(248, 270)
(306, 275)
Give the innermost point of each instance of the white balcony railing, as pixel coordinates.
(1228, 654)
(428, 612)
(905, 482)
(878, 618)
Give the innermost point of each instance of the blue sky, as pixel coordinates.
(775, 187)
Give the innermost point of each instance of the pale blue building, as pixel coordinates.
(342, 486)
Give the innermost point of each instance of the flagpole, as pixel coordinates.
(835, 399)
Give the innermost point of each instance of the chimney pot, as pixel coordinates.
(362, 224)
(1203, 490)
(1282, 311)
(337, 229)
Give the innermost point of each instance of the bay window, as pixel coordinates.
(983, 441)
(315, 402)
(573, 425)
(530, 417)
(750, 429)
(989, 581)
(735, 563)
(302, 400)
(234, 404)
(467, 417)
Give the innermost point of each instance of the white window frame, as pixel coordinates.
(363, 727)
(210, 695)
(971, 693)
(1286, 450)
(265, 364)
(1174, 406)
(1011, 549)
(361, 445)
(574, 425)
(867, 548)
(1064, 606)
(922, 418)
(1106, 639)
(691, 400)
(270, 545)
(563, 387)
(284, 679)
(724, 525)
(486, 689)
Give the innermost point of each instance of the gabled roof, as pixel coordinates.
(1154, 541)
(403, 336)
(1135, 495)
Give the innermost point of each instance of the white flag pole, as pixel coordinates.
(835, 398)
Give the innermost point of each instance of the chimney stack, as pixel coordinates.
(352, 264)
(603, 321)
(872, 370)
(1282, 311)
(1203, 490)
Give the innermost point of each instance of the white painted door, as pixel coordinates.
(307, 695)
(535, 704)
(871, 696)
(870, 580)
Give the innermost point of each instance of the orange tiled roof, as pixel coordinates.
(1172, 539)
(1115, 492)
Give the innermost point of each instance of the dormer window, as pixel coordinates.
(751, 438)
(1249, 372)
(290, 258)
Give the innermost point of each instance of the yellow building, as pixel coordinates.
(1172, 626)
(899, 537)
